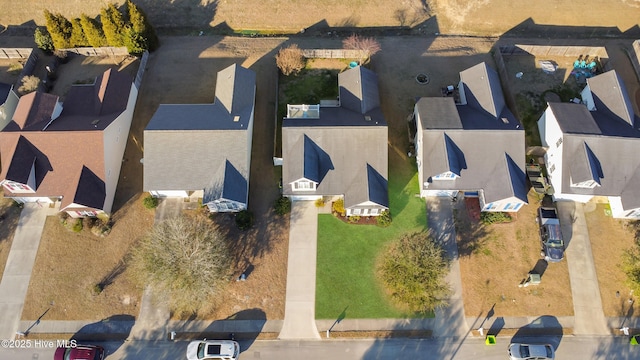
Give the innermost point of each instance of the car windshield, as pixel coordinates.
(524, 351)
(201, 348)
(554, 243)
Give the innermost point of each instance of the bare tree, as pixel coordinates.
(290, 60)
(30, 83)
(367, 46)
(187, 259)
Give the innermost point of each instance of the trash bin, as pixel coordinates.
(490, 340)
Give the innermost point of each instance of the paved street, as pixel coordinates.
(570, 347)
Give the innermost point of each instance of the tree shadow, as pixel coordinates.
(179, 16)
(114, 330)
(472, 236)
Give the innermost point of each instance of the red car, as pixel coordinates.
(80, 352)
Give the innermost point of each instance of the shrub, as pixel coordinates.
(282, 206)
(30, 83)
(384, 219)
(140, 36)
(244, 220)
(290, 60)
(150, 202)
(59, 28)
(490, 217)
(413, 270)
(77, 225)
(89, 222)
(631, 258)
(367, 46)
(338, 206)
(92, 31)
(63, 216)
(353, 219)
(319, 203)
(78, 38)
(112, 25)
(43, 40)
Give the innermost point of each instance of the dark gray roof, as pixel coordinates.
(358, 88)
(574, 118)
(585, 166)
(614, 159)
(345, 149)
(610, 96)
(23, 160)
(4, 92)
(490, 159)
(232, 186)
(91, 190)
(482, 89)
(202, 146)
(438, 113)
(351, 150)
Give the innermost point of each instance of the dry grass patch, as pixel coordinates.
(9, 216)
(609, 240)
(69, 266)
(494, 259)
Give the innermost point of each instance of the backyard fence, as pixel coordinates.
(549, 50)
(141, 69)
(100, 51)
(504, 76)
(15, 53)
(333, 54)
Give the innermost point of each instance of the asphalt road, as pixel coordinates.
(568, 347)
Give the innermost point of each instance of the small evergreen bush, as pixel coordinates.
(150, 202)
(338, 206)
(490, 217)
(384, 219)
(282, 206)
(244, 220)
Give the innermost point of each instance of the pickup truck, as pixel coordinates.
(550, 234)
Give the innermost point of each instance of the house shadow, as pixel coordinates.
(544, 329)
(529, 29)
(244, 326)
(113, 330)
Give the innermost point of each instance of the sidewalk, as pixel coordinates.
(300, 304)
(17, 272)
(587, 304)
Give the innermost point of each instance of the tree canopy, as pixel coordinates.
(413, 270)
(187, 259)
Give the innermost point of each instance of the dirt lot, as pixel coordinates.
(609, 240)
(494, 259)
(482, 17)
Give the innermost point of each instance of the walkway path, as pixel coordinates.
(151, 323)
(299, 310)
(17, 272)
(587, 304)
(449, 321)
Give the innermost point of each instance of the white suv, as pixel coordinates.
(213, 349)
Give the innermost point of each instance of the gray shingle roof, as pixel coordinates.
(204, 146)
(345, 149)
(481, 141)
(610, 96)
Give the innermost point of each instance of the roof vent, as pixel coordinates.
(505, 120)
(367, 118)
(236, 118)
(95, 122)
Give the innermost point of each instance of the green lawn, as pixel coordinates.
(347, 254)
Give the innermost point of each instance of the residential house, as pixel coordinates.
(203, 151)
(339, 148)
(69, 151)
(593, 147)
(471, 142)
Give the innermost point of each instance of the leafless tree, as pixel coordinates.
(368, 46)
(30, 83)
(290, 60)
(187, 259)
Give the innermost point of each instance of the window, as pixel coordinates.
(374, 212)
(304, 185)
(445, 176)
(86, 213)
(517, 207)
(357, 211)
(14, 186)
(559, 142)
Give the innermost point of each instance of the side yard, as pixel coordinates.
(71, 267)
(9, 217)
(609, 240)
(495, 259)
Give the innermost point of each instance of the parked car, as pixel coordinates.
(79, 352)
(213, 349)
(519, 351)
(550, 234)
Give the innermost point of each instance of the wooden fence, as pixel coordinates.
(549, 50)
(101, 51)
(15, 53)
(333, 54)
